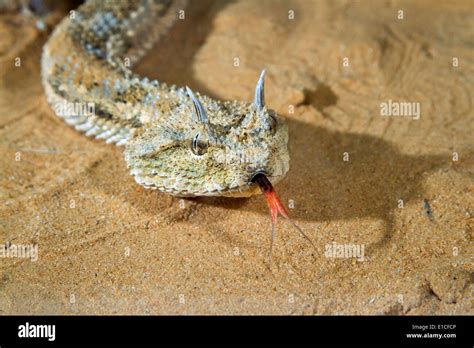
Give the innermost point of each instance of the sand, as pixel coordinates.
(108, 246)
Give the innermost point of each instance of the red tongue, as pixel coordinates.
(275, 206)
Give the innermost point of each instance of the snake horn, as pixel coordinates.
(259, 100)
(200, 112)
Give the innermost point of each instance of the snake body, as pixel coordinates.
(177, 141)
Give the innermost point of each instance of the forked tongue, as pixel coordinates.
(275, 206)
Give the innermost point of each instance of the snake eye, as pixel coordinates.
(199, 144)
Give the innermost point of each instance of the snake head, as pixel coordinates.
(203, 147)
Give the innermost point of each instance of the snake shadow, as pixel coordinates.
(326, 188)
(170, 60)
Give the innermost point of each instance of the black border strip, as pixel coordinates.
(136, 330)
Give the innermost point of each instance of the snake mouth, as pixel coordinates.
(257, 177)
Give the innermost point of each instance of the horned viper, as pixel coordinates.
(176, 140)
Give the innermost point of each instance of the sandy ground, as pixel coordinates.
(109, 246)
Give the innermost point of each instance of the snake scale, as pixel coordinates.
(176, 140)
